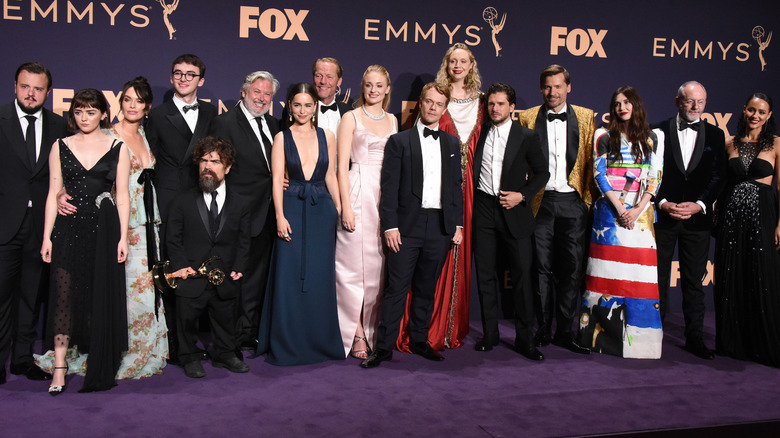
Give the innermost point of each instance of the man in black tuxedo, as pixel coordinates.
(207, 221)
(27, 131)
(694, 173)
(506, 155)
(561, 235)
(421, 211)
(326, 77)
(173, 129)
(251, 130)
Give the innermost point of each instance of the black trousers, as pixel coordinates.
(254, 282)
(693, 249)
(561, 237)
(23, 278)
(490, 232)
(418, 264)
(221, 319)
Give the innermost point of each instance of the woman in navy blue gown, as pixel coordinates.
(299, 322)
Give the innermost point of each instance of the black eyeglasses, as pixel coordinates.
(189, 75)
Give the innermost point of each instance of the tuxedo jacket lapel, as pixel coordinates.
(512, 148)
(13, 130)
(572, 138)
(541, 129)
(245, 125)
(445, 149)
(204, 213)
(676, 147)
(201, 128)
(417, 164)
(47, 139)
(698, 147)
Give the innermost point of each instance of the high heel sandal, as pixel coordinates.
(58, 389)
(359, 354)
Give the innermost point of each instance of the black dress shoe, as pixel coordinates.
(194, 370)
(21, 369)
(486, 343)
(542, 338)
(249, 345)
(531, 353)
(2, 377)
(232, 364)
(378, 356)
(698, 349)
(425, 350)
(570, 344)
(35, 373)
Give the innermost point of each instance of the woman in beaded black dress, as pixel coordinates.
(87, 249)
(747, 260)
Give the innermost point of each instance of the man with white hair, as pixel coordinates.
(251, 130)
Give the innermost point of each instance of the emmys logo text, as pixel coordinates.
(273, 23)
(384, 30)
(55, 11)
(578, 42)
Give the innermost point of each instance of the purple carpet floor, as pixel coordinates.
(470, 394)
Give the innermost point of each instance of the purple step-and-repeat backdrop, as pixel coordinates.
(653, 46)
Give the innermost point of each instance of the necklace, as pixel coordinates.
(371, 116)
(462, 101)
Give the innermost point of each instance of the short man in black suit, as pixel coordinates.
(173, 129)
(207, 221)
(562, 208)
(251, 130)
(421, 211)
(694, 173)
(506, 154)
(27, 131)
(326, 77)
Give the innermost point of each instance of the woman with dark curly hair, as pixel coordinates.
(620, 310)
(747, 261)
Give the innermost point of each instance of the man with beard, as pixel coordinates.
(206, 222)
(251, 130)
(326, 77)
(27, 131)
(561, 234)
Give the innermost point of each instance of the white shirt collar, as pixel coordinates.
(21, 113)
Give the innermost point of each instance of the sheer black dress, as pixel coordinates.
(747, 265)
(87, 298)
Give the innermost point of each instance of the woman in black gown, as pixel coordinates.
(747, 261)
(87, 250)
(299, 323)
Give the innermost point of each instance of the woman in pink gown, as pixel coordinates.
(359, 253)
(463, 119)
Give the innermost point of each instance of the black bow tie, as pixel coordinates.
(431, 132)
(685, 125)
(325, 108)
(194, 106)
(553, 116)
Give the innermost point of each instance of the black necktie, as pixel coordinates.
(431, 132)
(194, 106)
(266, 142)
(685, 125)
(553, 116)
(213, 214)
(30, 139)
(325, 108)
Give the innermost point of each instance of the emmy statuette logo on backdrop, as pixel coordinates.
(490, 14)
(758, 34)
(167, 11)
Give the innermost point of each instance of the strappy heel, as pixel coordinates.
(58, 389)
(359, 354)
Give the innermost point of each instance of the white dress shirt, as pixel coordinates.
(687, 138)
(493, 158)
(221, 192)
(191, 116)
(431, 160)
(329, 120)
(253, 122)
(38, 126)
(556, 145)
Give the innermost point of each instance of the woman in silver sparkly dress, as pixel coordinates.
(747, 260)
